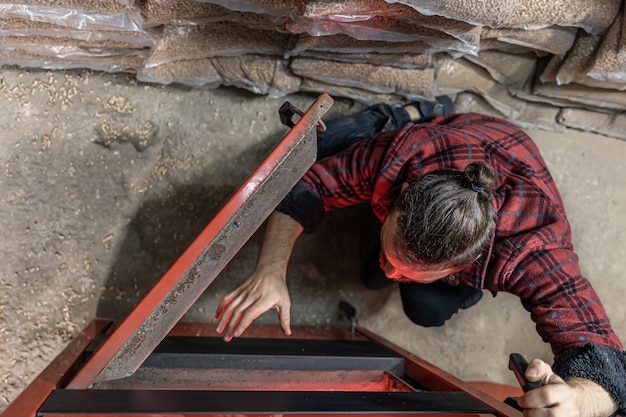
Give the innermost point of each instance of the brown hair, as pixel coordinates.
(446, 217)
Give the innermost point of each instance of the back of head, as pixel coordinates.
(446, 217)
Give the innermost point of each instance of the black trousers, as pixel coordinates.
(424, 304)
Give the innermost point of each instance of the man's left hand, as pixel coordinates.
(555, 398)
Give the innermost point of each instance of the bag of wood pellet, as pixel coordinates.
(506, 68)
(344, 44)
(83, 14)
(555, 40)
(217, 39)
(194, 12)
(594, 17)
(258, 73)
(393, 60)
(130, 63)
(410, 83)
(276, 8)
(359, 95)
(608, 65)
(491, 13)
(41, 32)
(607, 124)
(573, 67)
(355, 11)
(382, 29)
(197, 73)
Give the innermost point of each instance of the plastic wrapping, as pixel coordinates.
(381, 28)
(554, 39)
(612, 125)
(493, 13)
(593, 16)
(583, 96)
(198, 73)
(193, 12)
(353, 11)
(92, 15)
(409, 61)
(508, 69)
(345, 44)
(410, 83)
(359, 95)
(218, 39)
(16, 31)
(15, 28)
(608, 65)
(118, 63)
(276, 8)
(257, 73)
(458, 75)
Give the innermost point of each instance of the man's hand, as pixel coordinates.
(266, 288)
(576, 398)
(259, 293)
(555, 398)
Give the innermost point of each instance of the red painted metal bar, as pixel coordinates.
(436, 379)
(150, 321)
(56, 373)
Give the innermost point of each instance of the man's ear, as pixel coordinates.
(404, 186)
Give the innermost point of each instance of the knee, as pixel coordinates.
(426, 315)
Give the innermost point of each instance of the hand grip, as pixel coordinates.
(518, 365)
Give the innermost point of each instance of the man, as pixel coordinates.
(466, 203)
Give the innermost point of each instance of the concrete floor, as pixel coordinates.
(106, 181)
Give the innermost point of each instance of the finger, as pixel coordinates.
(284, 317)
(220, 308)
(248, 311)
(538, 370)
(226, 315)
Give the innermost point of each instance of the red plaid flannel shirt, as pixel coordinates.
(531, 254)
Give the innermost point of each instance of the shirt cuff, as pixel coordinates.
(304, 206)
(602, 365)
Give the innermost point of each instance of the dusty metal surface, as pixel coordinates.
(145, 327)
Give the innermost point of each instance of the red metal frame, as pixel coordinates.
(175, 292)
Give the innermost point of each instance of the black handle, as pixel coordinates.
(518, 365)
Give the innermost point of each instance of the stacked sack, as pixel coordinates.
(547, 65)
(103, 35)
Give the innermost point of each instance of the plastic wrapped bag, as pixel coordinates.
(276, 8)
(259, 74)
(508, 69)
(353, 11)
(344, 44)
(593, 16)
(608, 124)
(608, 65)
(493, 13)
(85, 15)
(410, 83)
(360, 95)
(193, 12)
(217, 39)
(131, 62)
(554, 39)
(382, 28)
(392, 60)
(48, 32)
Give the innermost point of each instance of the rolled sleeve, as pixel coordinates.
(304, 206)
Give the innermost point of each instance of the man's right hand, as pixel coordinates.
(259, 293)
(267, 287)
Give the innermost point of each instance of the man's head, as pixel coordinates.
(440, 223)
